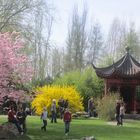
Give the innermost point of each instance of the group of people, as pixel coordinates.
(17, 113)
(120, 112)
(18, 118)
(64, 112)
(63, 104)
(66, 115)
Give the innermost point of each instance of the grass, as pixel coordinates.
(81, 128)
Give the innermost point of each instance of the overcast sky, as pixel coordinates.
(102, 11)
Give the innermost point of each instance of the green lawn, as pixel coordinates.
(80, 128)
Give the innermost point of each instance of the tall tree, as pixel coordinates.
(57, 65)
(115, 41)
(95, 42)
(132, 41)
(76, 41)
(12, 13)
(41, 40)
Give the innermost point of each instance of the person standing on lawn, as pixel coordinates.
(44, 118)
(67, 120)
(117, 114)
(53, 111)
(91, 107)
(21, 117)
(122, 113)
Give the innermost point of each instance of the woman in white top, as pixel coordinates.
(44, 118)
(122, 112)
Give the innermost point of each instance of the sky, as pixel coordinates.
(101, 11)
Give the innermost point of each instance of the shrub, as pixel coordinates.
(45, 95)
(86, 82)
(106, 107)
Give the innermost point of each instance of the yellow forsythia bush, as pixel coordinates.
(45, 95)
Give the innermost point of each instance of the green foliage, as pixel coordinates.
(42, 82)
(132, 41)
(106, 107)
(71, 78)
(86, 82)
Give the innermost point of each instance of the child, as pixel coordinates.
(44, 118)
(67, 120)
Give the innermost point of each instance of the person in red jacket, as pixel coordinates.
(12, 118)
(67, 120)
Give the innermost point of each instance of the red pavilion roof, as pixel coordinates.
(126, 67)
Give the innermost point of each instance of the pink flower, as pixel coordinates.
(14, 66)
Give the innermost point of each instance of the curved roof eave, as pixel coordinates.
(126, 67)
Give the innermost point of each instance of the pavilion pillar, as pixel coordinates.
(119, 92)
(119, 89)
(106, 86)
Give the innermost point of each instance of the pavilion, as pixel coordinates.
(123, 77)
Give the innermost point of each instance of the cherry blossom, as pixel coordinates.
(15, 67)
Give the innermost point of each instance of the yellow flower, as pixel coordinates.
(45, 95)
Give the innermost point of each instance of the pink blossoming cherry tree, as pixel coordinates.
(15, 67)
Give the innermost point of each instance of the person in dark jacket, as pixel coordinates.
(21, 117)
(118, 113)
(67, 120)
(66, 104)
(61, 104)
(91, 107)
